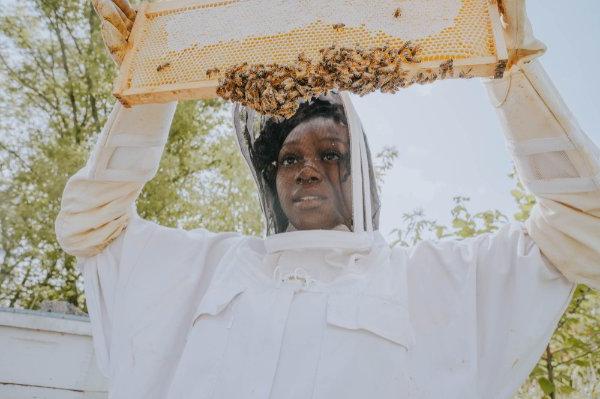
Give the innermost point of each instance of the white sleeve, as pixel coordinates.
(559, 164)
(487, 305)
(99, 200)
(520, 300)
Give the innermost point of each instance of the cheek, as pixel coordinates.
(347, 192)
(341, 181)
(346, 196)
(284, 189)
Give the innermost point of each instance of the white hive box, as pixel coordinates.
(174, 43)
(47, 355)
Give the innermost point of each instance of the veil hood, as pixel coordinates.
(365, 198)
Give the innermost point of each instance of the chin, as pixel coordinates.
(312, 215)
(313, 222)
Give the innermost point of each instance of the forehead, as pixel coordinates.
(319, 128)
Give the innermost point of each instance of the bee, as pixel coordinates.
(414, 50)
(397, 13)
(357, 84)
(280, 97)
(338, 27)
(388, 68)
(367, 88)
(500, 68)
(412, 54)
(446, 67)
(288, 83)
(404, 46)
(163, 66)
(465, 75)
(212, 72)
(301, 89)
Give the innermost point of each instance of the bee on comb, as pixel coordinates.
(163, 66)
(338, 27)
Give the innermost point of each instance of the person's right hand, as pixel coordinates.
(117, 18)
(521, 43)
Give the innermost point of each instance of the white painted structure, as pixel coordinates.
(47, 355)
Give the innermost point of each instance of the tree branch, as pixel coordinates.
(65, 65)
(16, 76)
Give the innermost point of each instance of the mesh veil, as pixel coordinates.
(248, 126)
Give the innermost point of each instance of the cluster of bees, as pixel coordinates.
(276, 90)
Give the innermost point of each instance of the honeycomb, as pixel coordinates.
(176, 46)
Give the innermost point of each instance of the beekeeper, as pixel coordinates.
(323, 307)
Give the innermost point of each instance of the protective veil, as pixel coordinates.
(365, 212)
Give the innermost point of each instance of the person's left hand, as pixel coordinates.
(117, 17)
(521, 44)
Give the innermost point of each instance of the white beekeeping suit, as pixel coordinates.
(335, 313)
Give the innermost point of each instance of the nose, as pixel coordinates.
(308, 175)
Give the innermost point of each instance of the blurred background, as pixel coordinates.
(441, 159)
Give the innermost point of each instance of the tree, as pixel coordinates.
(55, 95)
(570, 366)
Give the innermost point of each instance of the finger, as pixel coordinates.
(125, 6)
(127, 21)
(118, 56)
(513, 10)
(501, 7)
(108, 12)
(113, 39)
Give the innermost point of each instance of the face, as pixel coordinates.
(313, 175)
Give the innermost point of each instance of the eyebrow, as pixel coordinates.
(328, 138)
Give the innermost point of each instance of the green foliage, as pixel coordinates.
(416, 228)
(525, 201)
(546, 385)
(464, 224)
(55, 95)
(385, 161)
(571, 362)
(202, 181)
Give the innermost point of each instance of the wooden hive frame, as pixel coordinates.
(198, 86)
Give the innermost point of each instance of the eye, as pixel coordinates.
(332, 156)
(288, 160)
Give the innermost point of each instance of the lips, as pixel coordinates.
(308, 201)
(305, 198)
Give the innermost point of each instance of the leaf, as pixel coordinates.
(459, 224)
(547, 386)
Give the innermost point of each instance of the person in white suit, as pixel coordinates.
(323, 307)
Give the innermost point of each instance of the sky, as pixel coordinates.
(449, 138)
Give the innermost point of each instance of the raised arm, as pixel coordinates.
(554, 158)
(99, 200)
